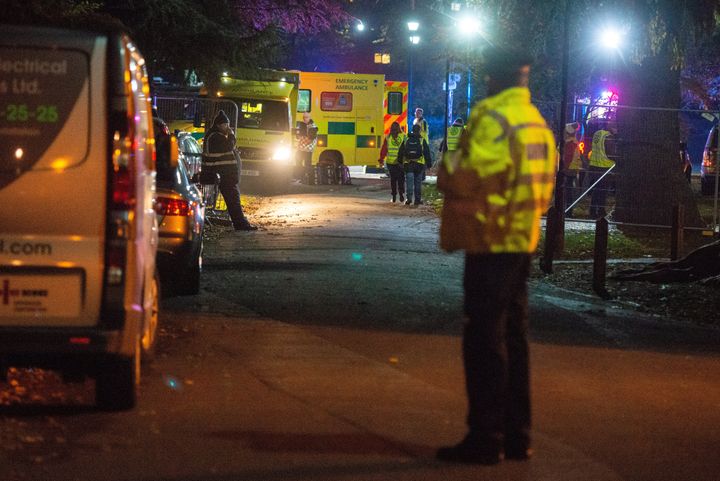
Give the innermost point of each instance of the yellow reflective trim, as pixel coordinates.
(497, 199)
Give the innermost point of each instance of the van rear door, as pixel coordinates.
(53, 176)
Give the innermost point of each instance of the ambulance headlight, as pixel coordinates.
(282, 155)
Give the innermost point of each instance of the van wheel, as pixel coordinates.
(150, 324)
(116, 382)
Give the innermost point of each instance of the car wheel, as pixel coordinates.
(150, 324)
(188, 284)
(116, 382)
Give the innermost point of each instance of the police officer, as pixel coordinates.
(219, 156)
(495, 192)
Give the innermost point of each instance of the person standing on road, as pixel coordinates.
(495, 193)
(424, 127)
(221, 157)
(413, 155)
(389, 156)
(306, 142)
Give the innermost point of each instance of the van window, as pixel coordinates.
(263, 114)
(43, 91)
(395, 102)
(304, 100)
(336, 101)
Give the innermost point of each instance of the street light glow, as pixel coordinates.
(415, 39)
(611, 38)
(469, 25)
(360, 26)
(413, 26)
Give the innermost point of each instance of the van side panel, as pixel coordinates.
(52, 224)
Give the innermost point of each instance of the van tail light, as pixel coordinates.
(167, 206)
(121, 205)
(122, 181)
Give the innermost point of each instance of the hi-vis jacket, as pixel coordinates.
(453, 137)
(218, 149)
(391, 148)
(500, 181)
(598, 156)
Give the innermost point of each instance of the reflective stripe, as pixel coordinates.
(220, 154)
(220, 162)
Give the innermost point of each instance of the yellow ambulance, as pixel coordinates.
(353, 113)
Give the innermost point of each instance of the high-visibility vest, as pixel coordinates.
(424, 128)
(218, 150)
(501, 181)
(453, 137)
(393, 148)
(598, 157)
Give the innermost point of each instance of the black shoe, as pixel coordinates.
(408, 202)
(518, 453)
(247, 226)
(468, 453)
(402, 198)
(418, 202)
(394, 198)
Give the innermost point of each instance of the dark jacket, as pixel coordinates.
(218, 148)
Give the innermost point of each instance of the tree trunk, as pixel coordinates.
(649, 178)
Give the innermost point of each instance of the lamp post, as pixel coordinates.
(413, 27)
(469, 27)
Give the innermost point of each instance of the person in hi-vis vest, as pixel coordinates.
(389, 156)
(496, 190)
(600, 162)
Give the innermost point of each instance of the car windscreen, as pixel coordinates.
(44, 109)
(263, 114)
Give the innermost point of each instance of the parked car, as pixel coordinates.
(709, 163)
(78, 234)
(181, 215)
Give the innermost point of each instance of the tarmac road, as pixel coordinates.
(327, 347)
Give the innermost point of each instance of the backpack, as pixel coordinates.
(413, 147)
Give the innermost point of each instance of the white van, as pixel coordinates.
(78, 231)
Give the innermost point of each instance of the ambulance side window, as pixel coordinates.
(304, 100)
(395, 101)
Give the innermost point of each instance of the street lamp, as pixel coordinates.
(469, 27)
(413, 27)
(610, 38)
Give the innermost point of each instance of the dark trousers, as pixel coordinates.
(230, 190)
(598, 197)
(495, 348)
(304, 165)
(397, 179)
(571, 188)
(413, 179)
